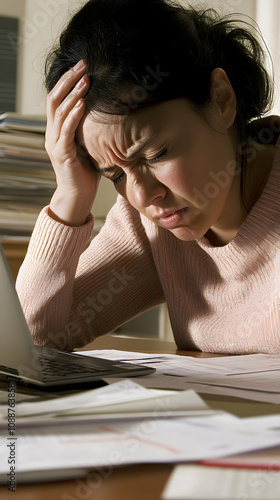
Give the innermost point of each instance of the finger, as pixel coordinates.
(70, 124)
(63, 87)
(67, 106)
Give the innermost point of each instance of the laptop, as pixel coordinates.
(44, 367)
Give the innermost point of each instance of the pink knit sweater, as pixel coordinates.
(220, 299)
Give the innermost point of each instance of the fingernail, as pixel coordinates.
(79, 65)
(80, 83)
(79, 103)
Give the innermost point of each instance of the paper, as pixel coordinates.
(184, 383)
(253, 376)
(124, 390)
(263, 459)
(267, 381)
(56, 438)
(20, 398)
(124, 397)
(267, 422)
(230, 365)
(191, 482)
(139, 441)
(50, 475)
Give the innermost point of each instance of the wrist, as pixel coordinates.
(69, 212)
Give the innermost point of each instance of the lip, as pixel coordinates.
(165, 214)
(170, 219)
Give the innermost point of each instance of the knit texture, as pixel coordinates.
(220, 299)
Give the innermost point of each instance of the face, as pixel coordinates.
(170, 163)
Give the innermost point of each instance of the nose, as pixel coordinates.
(146, 189)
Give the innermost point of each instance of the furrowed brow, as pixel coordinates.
(131, 157)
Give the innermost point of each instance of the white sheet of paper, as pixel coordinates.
(186, 403)
(125, 396)
(267, 422)
(191, 482)
(124, 390)
(240, 364)
(19, 397)
(184, 383)
(252, 376)
(139, 441)
(268, 459)
(266, 381)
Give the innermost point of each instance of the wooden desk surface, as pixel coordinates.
(139, 482)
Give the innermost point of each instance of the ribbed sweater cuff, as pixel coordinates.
(52, 240)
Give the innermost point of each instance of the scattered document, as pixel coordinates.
(238, 364)
(183, 383)
(124, 423)
(261, 459)
(191, 482)
(119, 443)
(252, 376)
(124, 399)
(20, 398)
(264, 459)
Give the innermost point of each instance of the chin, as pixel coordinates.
(187, 233)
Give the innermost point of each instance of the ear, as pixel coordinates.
(223, 100)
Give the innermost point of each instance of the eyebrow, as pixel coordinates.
(135, 153)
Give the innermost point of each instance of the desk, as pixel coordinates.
(140, 482)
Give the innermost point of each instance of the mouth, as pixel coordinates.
(172, 219)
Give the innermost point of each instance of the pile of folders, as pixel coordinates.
(27, 180)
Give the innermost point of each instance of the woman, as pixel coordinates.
(166, 103)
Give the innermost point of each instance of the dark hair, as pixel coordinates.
(140, 52)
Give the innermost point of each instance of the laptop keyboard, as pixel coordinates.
(55, 368)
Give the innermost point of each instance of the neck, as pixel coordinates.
(231, 219)
(243, 195)
(257, 170)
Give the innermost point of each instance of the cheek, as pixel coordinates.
(185, 175)
(206, 162)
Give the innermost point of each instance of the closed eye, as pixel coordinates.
(158, 158)
(119, 178)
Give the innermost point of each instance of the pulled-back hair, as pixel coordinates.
(141, 52)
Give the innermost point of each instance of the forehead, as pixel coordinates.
(130, 131)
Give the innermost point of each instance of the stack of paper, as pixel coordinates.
(124, 423)
(27, 180)
(252, 376)
(122, 400)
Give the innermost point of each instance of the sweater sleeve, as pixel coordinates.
(70, 295)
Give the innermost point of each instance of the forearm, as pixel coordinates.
(45, 280)
(68, 304)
